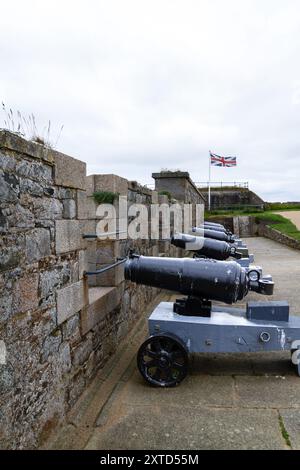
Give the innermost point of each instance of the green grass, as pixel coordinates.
(166, 193)
(105, 197)
(281, 206)
(270, 218)
(284, 432)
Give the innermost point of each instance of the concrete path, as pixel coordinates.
(294, 216)
(244, 401)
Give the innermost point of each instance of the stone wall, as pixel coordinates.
(58, 326)
(241, 225)
(179, 185)
(226, 198)
(264, 230)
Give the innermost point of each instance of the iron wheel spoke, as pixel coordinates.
(162, 361)
(150, 353)
(152, 363)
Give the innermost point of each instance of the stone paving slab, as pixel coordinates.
(194, 391)
(291, 420)
(268, 392)
(162, 427)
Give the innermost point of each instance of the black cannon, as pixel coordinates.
(215, 228)
(214, 234)
(214, 224)
(202, 280)
(206, 247)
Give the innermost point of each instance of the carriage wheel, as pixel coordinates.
(297, 366)
(162, 361)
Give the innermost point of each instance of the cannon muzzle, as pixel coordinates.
(225, 281)
(207, 247)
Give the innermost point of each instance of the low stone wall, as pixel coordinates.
(242, 225)
(246, 226)
(58, 327)
(264, 230)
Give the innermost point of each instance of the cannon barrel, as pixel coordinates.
(208, 247)
(225, 281)
(213, 224)
(208, 233)
(213, 227)
(216, 229)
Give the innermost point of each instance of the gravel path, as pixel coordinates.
(294, 216)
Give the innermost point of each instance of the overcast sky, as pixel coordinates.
(144, 85)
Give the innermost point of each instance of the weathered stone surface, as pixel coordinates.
(42, 301)
(51, 345)
(69, 211)
(25, 293)
(31, 187)
(70, 329)
(69, 172)
(86, 206)
(81, 353)
(269, 232)
(9, 257)
(112, 183)
(8, 188)
(37, 171)
(106, 251)
(89, 185)
(102, 300)
(48, 208)
(291, 421)
(70, 300)
(11, 141)
(65, 357)
(6, 378)
(156, 427)
(7, 162)
(113, 277)
(76, 387)
(5, 306)
(66, 193)
(67, 236)
(37, 244)
(50, 281)
(20, 217)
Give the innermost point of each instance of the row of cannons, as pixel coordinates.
(223, 271)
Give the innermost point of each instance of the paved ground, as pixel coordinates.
(294, 216)
(245, 401)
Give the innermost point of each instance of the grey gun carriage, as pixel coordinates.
(193, 325)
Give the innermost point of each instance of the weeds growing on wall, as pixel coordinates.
(166, 193)
(26, 127)
(105, 197)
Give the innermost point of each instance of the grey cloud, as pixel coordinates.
(145, 85)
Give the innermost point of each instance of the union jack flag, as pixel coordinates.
(216, 160)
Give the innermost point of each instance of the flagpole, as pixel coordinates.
(209, 174)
